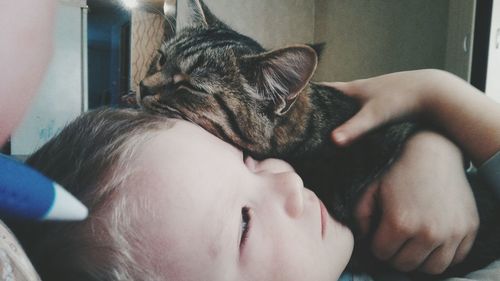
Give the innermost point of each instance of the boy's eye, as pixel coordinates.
(245, 225)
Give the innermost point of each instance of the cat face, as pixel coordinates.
(224, 81)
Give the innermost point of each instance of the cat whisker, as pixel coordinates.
(169, 19)
(152, 103)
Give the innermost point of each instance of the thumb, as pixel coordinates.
(361, 123)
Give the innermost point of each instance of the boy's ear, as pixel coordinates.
(201, 15)
(280, 75)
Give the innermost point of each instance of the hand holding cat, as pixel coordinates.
(429, 217)
(463, 112)
(384, 99)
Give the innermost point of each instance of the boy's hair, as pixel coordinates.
(91, 158)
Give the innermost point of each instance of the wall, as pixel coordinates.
(272, 23)
(363, 37)
(493, 71)
(372, 37)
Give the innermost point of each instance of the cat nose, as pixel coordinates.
(144, 91)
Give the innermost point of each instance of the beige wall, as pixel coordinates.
(273, 23)
(372, 37)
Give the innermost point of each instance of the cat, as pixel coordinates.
(264, 103)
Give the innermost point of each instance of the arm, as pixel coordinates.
(412, 192)
(467, 115)
(464, 113)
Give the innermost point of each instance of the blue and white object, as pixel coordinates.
(27, 194)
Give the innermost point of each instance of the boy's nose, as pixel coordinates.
(291, 187)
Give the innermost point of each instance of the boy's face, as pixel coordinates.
(202, 198)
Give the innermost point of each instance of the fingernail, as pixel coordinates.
(340, 138)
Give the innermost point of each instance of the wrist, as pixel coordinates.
(433, 143)
(435, 93)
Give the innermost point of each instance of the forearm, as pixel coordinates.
(470, 118)
(434, 144)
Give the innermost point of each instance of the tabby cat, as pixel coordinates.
(264, 103)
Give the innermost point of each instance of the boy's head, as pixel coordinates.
(180, 204)
(92, 158)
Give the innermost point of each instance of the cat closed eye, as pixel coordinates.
(185, 86)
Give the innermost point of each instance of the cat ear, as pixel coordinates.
(202, 16)
(281, 75)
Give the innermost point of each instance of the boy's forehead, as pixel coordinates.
(183, 186)
(189, 229)
(193, 134)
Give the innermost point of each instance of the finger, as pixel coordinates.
(412, 254)
(361, 123)
(464, 248)
(439, 260)
(388, 239)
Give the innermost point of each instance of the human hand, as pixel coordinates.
(386, 99)
(429, 217)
